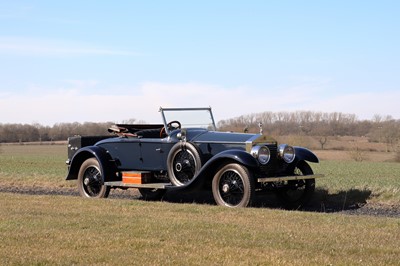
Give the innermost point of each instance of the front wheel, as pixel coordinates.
(233, 186)
(90, 183)
(297, 193)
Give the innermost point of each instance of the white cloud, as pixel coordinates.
(23, 46)
(72, 103)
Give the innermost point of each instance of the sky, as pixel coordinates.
(98, 61)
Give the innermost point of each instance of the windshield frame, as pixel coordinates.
(209, 124)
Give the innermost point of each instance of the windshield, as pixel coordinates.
(189, 117)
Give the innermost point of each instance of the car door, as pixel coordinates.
(126, 152)
(153, 155)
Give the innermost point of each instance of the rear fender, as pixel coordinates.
(303, 154)
(210, 168)
(107, 165)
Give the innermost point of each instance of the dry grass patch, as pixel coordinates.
(337, 155)
(70, 230)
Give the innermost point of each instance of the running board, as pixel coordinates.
(128, 185)
(287, 178)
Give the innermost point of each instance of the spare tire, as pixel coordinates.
(183, 162)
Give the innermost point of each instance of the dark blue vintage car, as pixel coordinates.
(186, 152)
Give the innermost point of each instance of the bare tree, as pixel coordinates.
(322, 140)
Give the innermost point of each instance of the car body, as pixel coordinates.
(186, 152)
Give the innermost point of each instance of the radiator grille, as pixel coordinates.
(274, 163)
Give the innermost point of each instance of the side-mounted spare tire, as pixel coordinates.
(183, 162)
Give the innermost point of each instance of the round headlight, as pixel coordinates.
(287, 153)
(261, 153)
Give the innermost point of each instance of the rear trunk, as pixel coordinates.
(77, 142)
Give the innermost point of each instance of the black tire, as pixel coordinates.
(152, 194)
(90, 183)
(183, 162)
(233, 186)
(297, 193)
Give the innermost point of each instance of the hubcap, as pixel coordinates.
(225, 188)
(178, 167)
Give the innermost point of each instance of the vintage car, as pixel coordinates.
(187, 153)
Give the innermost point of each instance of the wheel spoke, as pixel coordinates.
(233, 186)
(185, 166)
(236, 190)
(183, 162)
(94, 186)
(90, 181)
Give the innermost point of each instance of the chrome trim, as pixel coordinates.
(282, 149)
(287, 178)
(258, 138)
(218, 142)
(255, 152)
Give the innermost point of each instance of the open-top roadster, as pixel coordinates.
(186, 152)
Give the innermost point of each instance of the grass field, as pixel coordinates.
(42, 230)
(44, 166)
(378, 179)
(39, 230)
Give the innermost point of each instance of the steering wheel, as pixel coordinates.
(173, 125)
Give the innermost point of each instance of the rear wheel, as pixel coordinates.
(297, 193)
(90, 183)
(233, 186)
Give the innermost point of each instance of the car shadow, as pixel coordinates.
(322, 200)
(352, 199)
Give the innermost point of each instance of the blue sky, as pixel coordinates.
(111, 61)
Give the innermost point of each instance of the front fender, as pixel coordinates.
(211, 166)
(239, 156)
(107, 165)
(303, 154)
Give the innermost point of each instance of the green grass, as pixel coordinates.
(41, 230)
(379, 179)
(44, 165)
(48, 230)
(39, 165)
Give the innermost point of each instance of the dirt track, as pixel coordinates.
(326, 206)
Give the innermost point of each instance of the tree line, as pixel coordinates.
(379, 128)
(60, 131)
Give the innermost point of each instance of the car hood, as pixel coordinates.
(229, 137)
(214, 136)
